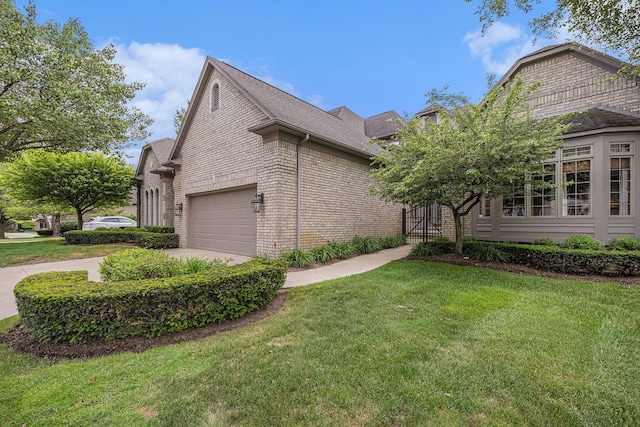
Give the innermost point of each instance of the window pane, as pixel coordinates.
(544, 193)
(577, 195)
(514, 205)
(620, 186)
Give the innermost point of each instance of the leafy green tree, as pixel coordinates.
(178, 117)
(608, 24)
(59, 93)
(469, 152)
(81, 181)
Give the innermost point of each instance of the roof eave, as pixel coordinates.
(270, 126)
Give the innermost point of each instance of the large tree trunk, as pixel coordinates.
(458, 221)
(55, 224)
(80, 220)
(3, 226)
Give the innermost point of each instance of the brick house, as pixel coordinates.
(598, 159)
(154, 184)
(243, 140)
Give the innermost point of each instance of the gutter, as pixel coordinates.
(302, 141)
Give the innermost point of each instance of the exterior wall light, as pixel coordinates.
(177, 209)
(257, 202)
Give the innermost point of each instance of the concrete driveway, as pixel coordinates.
(10, 276)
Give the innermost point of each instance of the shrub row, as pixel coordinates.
(144, 239)
(568, 261)
(543, 256)
(66, 307)
(340, 250)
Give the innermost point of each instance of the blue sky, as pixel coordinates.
(371, 56)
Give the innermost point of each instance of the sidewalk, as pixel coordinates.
(10, 276)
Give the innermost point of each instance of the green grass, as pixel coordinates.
(411, 343)
(37, 250)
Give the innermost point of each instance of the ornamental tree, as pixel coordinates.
(80, 181)
(609, 25)
(469, 152)
(59, 93)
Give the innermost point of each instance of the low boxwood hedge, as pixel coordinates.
(67, 307)
(567, 261)
(103, 236)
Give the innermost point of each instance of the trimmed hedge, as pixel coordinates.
(103, 236)
(44, 232)
(66, 307)
(568, 261)
(159, 229)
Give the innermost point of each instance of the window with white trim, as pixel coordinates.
(543, 192)
(513, 205)
(576, 174)
(620, 181)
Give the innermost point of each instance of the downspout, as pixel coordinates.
(306, 138)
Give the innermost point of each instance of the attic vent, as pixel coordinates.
(215, 96)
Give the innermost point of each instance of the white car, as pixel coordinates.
(109, 222)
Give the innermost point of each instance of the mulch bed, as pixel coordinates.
(20, 341)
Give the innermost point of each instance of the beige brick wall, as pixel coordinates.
(571, 82)
(333, 205)
(219, 153)
(163, 186)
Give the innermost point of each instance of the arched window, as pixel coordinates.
(152, 219)
(157, 207)
(145, 214)
(214, 97)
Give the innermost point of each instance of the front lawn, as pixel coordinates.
(37, 250)
(411, 343)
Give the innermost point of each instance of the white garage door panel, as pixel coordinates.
(224, 222)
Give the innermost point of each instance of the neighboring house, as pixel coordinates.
(243, 140)
(598, 163)
(154, 190)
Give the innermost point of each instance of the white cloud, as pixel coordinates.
(170, 72)
(501, 46)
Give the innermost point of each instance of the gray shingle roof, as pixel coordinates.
(601, 117)
(162, 149)
(285, 109)
(382, 125)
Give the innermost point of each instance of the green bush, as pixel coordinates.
(159, 229)
(110, 235)
(343, 250)
(624, 244)
(66, 307)
(297, 258)
(157, 240)
(570, 261)
(323, 254)
(426, 249)
(489, 252)
(441, 239)
(544, 241)
(582, 241)
(191, 265)
(393, 241)
(137, 264)
(44, 232)
(366, 245)
(68, 226)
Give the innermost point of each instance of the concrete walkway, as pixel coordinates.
(10, 276)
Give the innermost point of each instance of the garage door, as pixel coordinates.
(224, 222)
